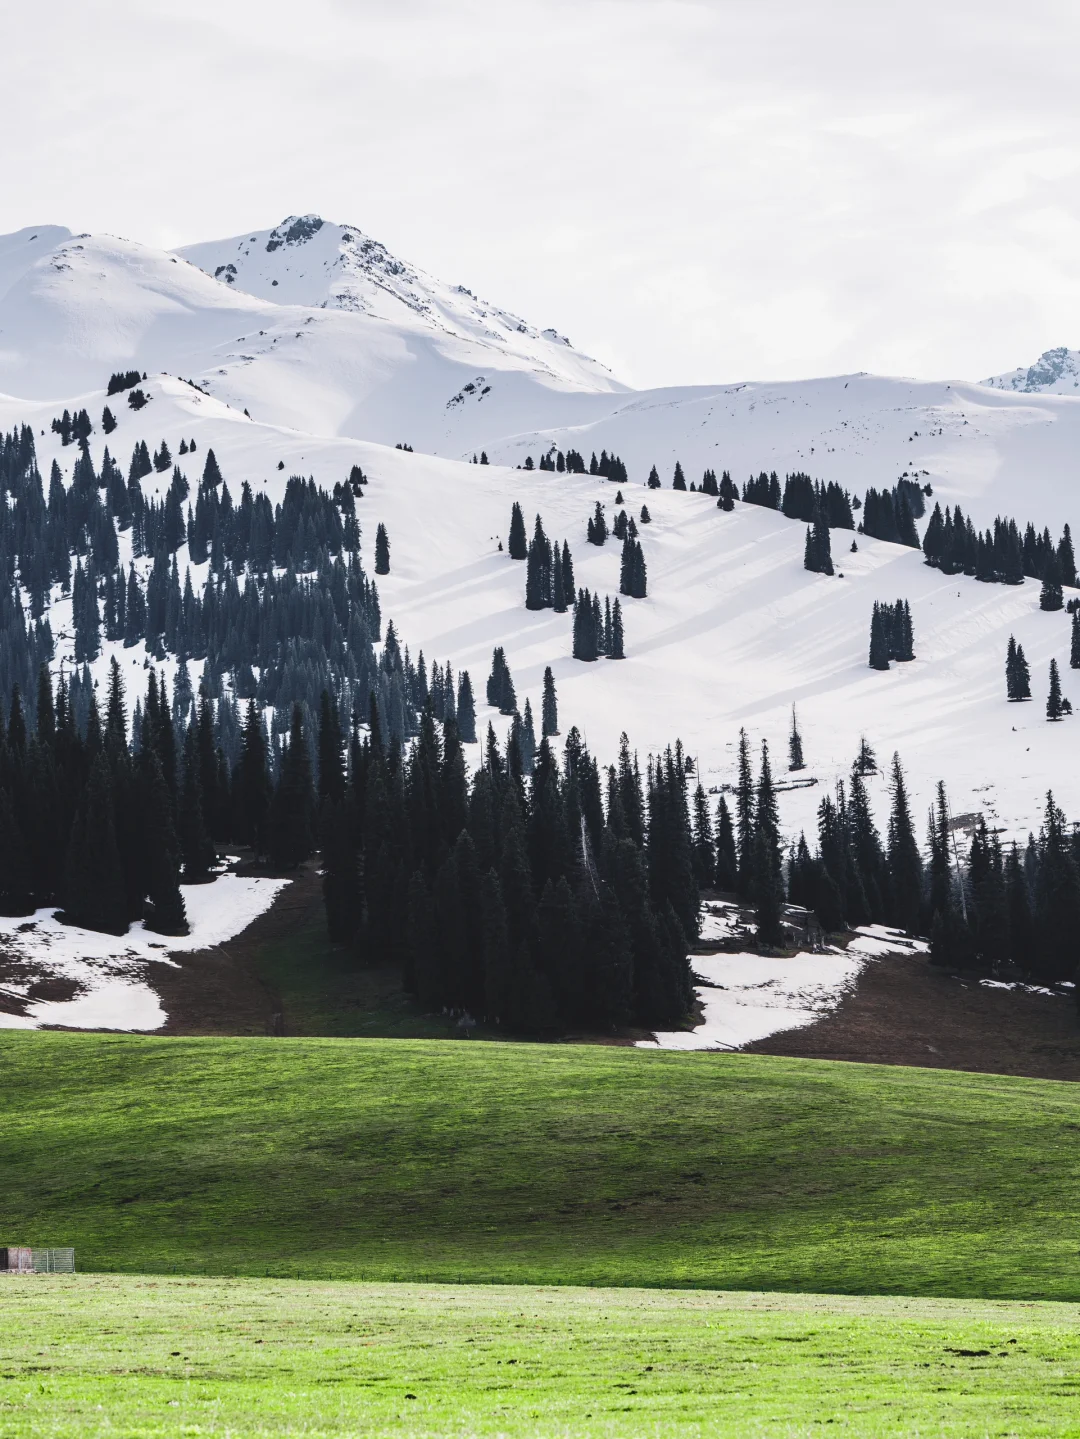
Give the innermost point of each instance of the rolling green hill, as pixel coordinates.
(430, 1160)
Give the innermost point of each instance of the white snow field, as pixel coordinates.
(110, 972)
(747, 997)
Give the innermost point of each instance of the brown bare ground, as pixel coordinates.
(904, 1011)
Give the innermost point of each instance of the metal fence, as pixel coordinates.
(54, 1261)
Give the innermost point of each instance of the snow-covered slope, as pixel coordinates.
(1055, 372)
(358, 343)
(733, 632)
(317, 327)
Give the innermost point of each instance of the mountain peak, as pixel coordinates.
(1054, 372)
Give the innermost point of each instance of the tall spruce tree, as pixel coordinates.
(549, 708)
(767, 864)
(516, 545)
(795, 749)
(1055, 705)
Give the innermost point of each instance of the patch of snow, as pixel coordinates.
(109, 972)
(873, 940)
(719, 920)
(747, 997)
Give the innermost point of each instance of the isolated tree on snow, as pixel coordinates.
(653, 481)
(679, 482)
(516, 544)
(1055, 705)
(646, 518)
(1074, 646)
(795, 750)
(382, 551)
(1017, 673)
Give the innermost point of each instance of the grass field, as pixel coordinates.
(138, 1357)
(324, 1158)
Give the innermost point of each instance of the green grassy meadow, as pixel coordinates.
(573, 1165)
(93, 1355)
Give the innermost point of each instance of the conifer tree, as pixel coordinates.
(744, 812)
(727, 864)
(93, 891)
(618, 639)
(679, 482)
(1074, 645)
(290, 822)
(466, 709)
(516, 545)
(879, 639)
(653, 481)
(251, 783)
(704, 848)
(382, 551)
(1055, 706)
(767, 871)
(1050, 596)
(196, 849)
(795, 749)
(646, 518)
(1017, 673)
(905, 861)
(538, 575)
(549, 708)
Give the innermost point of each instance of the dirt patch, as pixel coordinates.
(903, 1011)
(220, 990)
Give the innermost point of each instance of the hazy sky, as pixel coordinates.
(718, 190)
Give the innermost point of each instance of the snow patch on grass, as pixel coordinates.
(105, 975)
(747, 997)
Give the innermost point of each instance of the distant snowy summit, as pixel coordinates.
(1055, 372)
(313, 262)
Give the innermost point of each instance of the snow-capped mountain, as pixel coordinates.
(312, 262)
(360, 344)
(1055, 372)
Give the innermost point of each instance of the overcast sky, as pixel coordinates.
(717, 190)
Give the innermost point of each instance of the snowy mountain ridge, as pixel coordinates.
(1055, 372)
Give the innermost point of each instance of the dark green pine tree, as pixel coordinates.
(795, 749)
(290, 828)
(1017, 675)
(382, 551)
(1050, 596)
(767, 864)
(549, 706)
(704, 848)
(905, 861)
(879, 639)
(618, 638)
(93, 891)
(1074, 646)
(646, 518)
(196, 849)
(165, 912)
(16, 877)
(211, 475)
(1055, 706)
(251, 783)
(516, 545)
(538, 574)
(1021, 924)
(727, 864)
(679, 482)
(653, 481)
(330, 751)
(1057, 900)
(466, 709)
(744, 818)
(585, 642)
